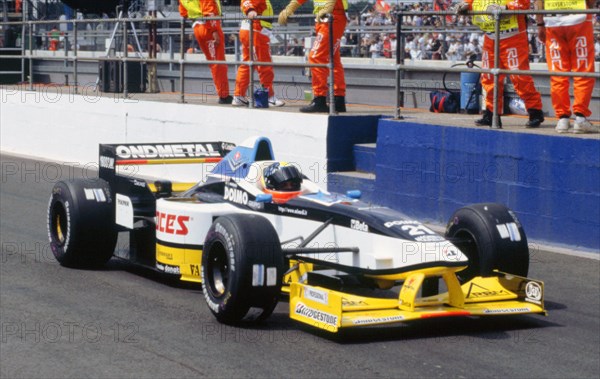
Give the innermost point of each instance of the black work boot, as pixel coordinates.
(536, 117)
(318, 105)
(340, 104)
(225, 100)
(486, 120)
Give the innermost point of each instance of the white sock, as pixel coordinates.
(579, 119)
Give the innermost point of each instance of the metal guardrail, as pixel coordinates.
(400, 68)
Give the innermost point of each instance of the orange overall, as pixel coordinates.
(514, 55)
(261, 47)
(570, 47)
(210, 37)
(320, 51)
(54, 39)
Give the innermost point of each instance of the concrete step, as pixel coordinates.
(364, 157)
(352, 180)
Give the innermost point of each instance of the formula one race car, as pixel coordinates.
(254, 228)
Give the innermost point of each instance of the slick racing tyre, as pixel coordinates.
(80, 222)
(242, 268)
(492, 238)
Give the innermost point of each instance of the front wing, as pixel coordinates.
(490, 296)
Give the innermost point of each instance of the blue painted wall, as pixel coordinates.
(551, 182)
(343, 133)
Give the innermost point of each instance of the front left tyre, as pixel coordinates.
(80, 221)
(242, 268)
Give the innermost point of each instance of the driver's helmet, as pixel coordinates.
(282, 176)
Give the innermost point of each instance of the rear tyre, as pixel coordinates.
(492, 238)
(242, 268)
(80, 223)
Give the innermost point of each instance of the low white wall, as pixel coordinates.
(68, 128)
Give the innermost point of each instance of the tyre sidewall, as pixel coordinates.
(234, 300)
(90, 233)
(494, 252)
(250, 242)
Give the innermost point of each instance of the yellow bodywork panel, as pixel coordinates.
(187, 260)
(409, 291)
(176, 187)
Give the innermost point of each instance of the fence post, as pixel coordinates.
(181, 63)
(30, 57)
(399, 64)
(75, 79)
(495, 117)
(251, 63)
(331, 76)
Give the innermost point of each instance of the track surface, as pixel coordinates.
(123, 322)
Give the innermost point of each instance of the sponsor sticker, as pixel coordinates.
(510, 231)
(172, 224)
(533, 291)
(314, 314)
(376, 320)
(168, 268)
(450, 253)
(300, 212)
(507, 310)
(107, 162)
(359, 225)
(433, 238)
(235, 195)
(258, 275)
(317, 295)
(124, 211)
(175, 150)
(271, 276)
(95, 194)
(391, 224)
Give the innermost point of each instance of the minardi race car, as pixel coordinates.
(254, 229)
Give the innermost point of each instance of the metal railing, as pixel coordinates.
(400, 68)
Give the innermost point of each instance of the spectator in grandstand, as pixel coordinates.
(262, 52)
(320, 52)
(473, 48)
(569, 48)
(211, 39)
(455, 50)
(389, 46)
(294, 47)
(376, 48)
(413, 49)
(514, 54)
(597, 47)
(437, 48)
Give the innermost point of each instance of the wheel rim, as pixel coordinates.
(59, 223)
(218, 270)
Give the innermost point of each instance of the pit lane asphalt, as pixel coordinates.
(125, 322)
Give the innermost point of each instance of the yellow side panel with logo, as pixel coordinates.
(174, 260)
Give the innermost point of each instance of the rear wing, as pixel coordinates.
(113, 157)
(121, 166)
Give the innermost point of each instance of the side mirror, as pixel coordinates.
(264, 198)
(354, 194)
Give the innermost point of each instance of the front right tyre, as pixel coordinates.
(492, 237)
